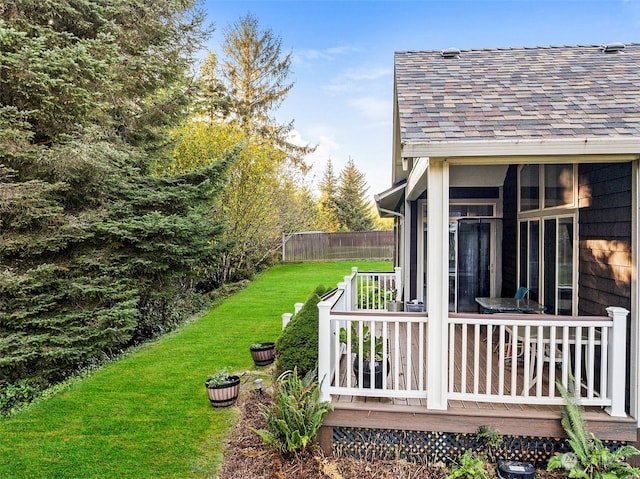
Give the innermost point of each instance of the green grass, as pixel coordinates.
(147, 415)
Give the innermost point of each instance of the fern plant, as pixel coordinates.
(296, 413)
(590, 458)
(471, 466)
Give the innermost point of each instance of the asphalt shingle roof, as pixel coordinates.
(528, 93)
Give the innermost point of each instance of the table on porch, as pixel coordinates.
(509, 305)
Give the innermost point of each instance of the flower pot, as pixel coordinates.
(394, 306)
(366, 372)
(225, 394)
(263, 353)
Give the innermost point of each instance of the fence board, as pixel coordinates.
(320, 246)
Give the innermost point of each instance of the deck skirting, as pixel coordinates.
(431, 447)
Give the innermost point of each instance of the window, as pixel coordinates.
(550, 275)
(530, 257)
(558, 185)
(475, 209)
(546, 186)
(529, 188)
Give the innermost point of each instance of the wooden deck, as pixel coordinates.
(466, 416)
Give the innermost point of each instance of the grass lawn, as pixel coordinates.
(147, 415)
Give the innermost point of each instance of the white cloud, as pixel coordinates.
(357, 79)
(373, 108)
(327, 54)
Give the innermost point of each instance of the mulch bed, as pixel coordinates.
(247, 457)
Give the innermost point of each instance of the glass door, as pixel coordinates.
(473, 263)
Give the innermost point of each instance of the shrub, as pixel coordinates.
(296, 414)
(589, 459)
(470, 467)
(297, 346)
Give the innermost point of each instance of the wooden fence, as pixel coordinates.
(319, 246)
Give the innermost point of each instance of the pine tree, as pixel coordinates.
(328, 204)
(354, 213)
(249, 82)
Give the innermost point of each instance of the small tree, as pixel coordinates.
(298, 344)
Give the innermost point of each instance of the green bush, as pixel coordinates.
(297, 346)
(470, 466)
(589, 457)
(296, 414)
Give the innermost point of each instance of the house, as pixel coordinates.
(513, 167)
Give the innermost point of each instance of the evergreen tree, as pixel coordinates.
(96, 251)
(354, 212)
(328, 204)
(252, 83)
(256, 72)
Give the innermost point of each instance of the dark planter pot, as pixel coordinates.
(366, 372)
(225, 394)
(263, 353)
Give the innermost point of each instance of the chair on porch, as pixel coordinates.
(521, 293)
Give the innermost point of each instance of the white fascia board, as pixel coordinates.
(417, 181)
(474, 149)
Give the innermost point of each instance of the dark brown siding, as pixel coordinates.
(510, 233)
(604, 237)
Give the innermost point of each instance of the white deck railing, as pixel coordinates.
(496, 358)
(402, 347)
(529, 353)
(371, 290)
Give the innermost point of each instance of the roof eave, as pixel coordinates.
(476, 149)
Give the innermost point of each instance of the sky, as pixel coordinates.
(342, 68)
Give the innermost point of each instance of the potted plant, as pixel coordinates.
(369, 362)
(391, 304)
(223, 388)
(263, 353)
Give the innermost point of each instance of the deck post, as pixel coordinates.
(438, 283)
(351, 291)
(324, 349)
(297, 307)
(286, 317)
(399, 292)
(617, 360)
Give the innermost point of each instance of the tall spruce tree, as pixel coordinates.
(328, 219)
(252, 82)
(96, 252)
(354, 212)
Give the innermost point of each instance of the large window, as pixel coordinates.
(547, 223)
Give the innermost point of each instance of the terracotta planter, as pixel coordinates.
(263, 353)
(225, 394)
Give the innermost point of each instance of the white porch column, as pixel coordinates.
(617, 360)
(438, 282)
(324, 349)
